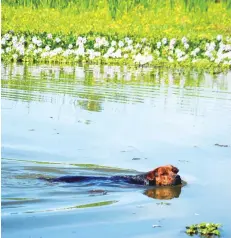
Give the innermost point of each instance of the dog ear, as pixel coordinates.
(175, 169)
(151, 175)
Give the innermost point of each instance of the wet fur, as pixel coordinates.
(161, 176)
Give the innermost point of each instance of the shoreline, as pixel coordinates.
(211, 55)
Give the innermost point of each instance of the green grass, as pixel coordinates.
(139, 18)
(204, 230)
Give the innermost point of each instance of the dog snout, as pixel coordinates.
(177, 180)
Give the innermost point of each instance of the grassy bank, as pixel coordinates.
(157, 20)
(150, 32)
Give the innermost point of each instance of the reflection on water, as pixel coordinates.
(91, 85)
(164, 193)
(107, 120)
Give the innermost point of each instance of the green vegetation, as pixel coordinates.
(140, 18)
(172, 33)
(204, 229)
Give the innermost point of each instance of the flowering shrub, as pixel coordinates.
(47, 47)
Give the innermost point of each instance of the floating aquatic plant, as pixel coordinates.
(58, 48)
(204, 229)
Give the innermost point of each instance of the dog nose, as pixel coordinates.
(177, 180)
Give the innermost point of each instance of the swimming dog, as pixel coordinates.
(161, 176)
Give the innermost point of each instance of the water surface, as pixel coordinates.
(86, 119)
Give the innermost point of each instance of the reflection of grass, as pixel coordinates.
(97, 204)
(89, 94)
(19, 199)
(87, 166)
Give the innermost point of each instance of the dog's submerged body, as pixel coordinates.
(161, 176)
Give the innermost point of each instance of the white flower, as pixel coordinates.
(186, 46)
(7, 36)
(3, 41)
(184, 40)
(121, 43)
(208, 54)
(39, 50)
(97, 54)
(164, 41)
(144, 40)
(22, 39)
(211, 46)
(157, 52)
(227, 48)
(47, 48)
(22, 51)
(158, 45)
(110, 50)
(80, 50)
(113, 43)
(15, 56)
(179, 53)
(8, 49)
(170, 59)
(34, 40)
(182, 58)
(91, 56)
(81, 41)
(126, 39)
(219, 37)
(125, 56)
(195, 52)
(106, 43)
(49, 36)
(57, 39)
(39, 43)
(31, 46)
(84, 40)
(70, 46)
(143, 59)
(172, 43)
(106, 56)
(130, 42)
(137, 46)
(14, 39)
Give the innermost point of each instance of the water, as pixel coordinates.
(78, 120)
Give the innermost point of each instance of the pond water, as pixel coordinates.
(92, 120)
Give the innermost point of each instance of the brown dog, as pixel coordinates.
(164, 176)
(161, 176)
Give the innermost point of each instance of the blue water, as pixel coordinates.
(67, 117)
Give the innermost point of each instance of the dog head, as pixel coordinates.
(164, 176)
